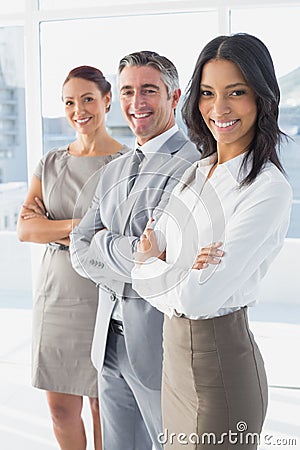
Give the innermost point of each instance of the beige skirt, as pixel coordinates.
(64, 315)
(214, 391)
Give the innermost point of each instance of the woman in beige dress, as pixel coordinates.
(65, 304)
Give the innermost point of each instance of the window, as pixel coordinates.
(87, 36)
(12, 106)
(13, 169)
(287, 65)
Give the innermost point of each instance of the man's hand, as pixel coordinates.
(147, 246)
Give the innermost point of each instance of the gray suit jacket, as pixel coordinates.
(105, 256)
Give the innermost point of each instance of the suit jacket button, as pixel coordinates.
(113, 297)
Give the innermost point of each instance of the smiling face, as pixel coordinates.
(145, 103)
(228, 107)
(85, 106)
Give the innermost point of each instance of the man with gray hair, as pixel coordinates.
(127, 345)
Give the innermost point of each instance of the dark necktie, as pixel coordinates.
(137, 159)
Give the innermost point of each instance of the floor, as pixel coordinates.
(24, 418)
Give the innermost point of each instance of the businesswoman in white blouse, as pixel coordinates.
(214, 381)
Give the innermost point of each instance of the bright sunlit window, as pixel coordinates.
(13, 169)
(90, 34)
(287, 65)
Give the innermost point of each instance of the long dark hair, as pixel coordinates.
(254, 60)
(90, 73)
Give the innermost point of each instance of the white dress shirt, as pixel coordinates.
(149, 149)
(251, 222)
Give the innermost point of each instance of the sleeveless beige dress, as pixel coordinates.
(65, 305)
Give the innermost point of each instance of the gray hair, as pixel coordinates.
(169, 74)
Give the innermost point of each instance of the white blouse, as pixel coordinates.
(251, 221)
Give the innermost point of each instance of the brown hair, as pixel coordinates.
(90, 74)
